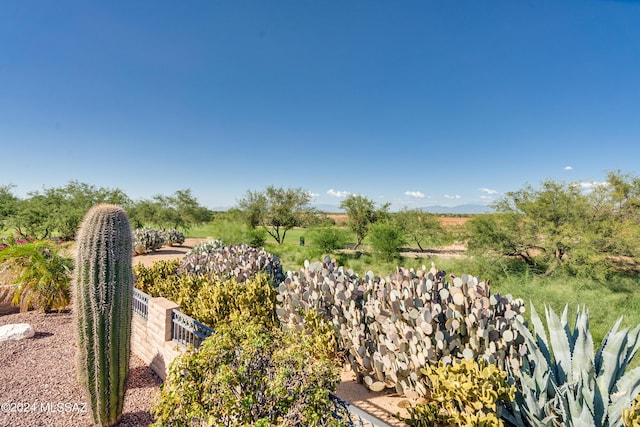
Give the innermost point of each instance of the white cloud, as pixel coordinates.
(568, 168)
(456, 196)
(587, 186)
(414, 194)
(335, 193)
(312, 194)
(488, 190)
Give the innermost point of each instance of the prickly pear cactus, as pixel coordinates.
(205, 248)
(240, 262)
(392, 328)
(465, 393)
(102, 296)
(173, 237)
(147, 240)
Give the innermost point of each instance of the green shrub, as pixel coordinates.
(252, 375)
(150, 279)
(217, 301)
(386, 240)
(256, 237)
(321, 332)
(237, 233)
(38, 275)
(329, 239)
(162, 280)
(466, 393)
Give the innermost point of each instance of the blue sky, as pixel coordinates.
(415, 103)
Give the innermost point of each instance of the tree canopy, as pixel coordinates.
(58, 211)
(362, 213)
(582, 229)
(180, 211)
(277, 210)
(422, 228)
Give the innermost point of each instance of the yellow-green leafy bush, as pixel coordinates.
(467, 393)
(208, 299)
(631, 415)
(151, 280)
(249, 374)
(217, 300)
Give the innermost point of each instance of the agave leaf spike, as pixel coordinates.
(607, 337)
(633, 346)
(560, 345)
(573, 336)
(540, 332)
(591, 396)
(567, 329)
(584, 419)
(541, 358)
(612, 359)
(582, 411)
(630, 384)
(583, 353)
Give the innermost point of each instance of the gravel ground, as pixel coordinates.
(38, 379)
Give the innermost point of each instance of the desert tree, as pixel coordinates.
(362, 213)
(562, 226)
(277, 210)
(181, 210)
(58, 211)
(8, 204)
(422, 228)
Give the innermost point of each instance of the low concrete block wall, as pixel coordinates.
(151, 338)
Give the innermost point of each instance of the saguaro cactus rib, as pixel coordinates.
(102, 297)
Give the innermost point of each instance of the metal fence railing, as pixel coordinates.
(140, 303)
(357, 417)
(187, 330)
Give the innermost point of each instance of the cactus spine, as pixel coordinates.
(102, 297)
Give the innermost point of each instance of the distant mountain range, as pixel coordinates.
(460, 209)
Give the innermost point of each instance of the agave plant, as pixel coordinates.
(564, 381)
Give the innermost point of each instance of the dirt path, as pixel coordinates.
(168, 252)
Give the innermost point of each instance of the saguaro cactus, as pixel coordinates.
(102, 294)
